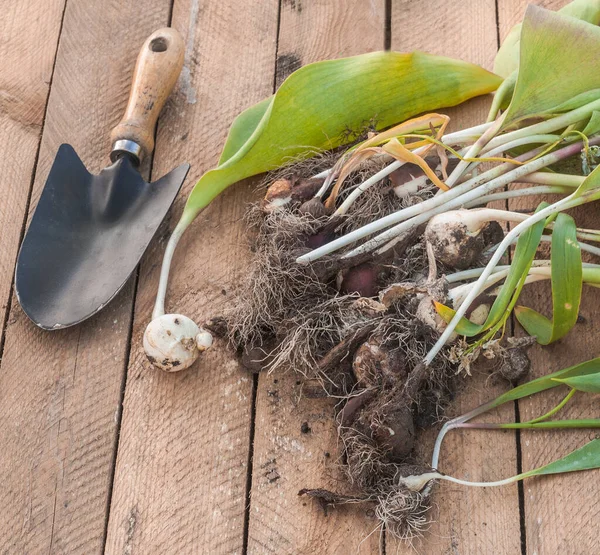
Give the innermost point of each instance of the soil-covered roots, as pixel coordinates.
(404, 513)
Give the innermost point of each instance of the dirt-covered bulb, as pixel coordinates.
(172, 342)
(456, 237)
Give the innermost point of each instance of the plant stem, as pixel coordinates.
(159, 304)
(451, 424)
(517, 193)
(568, 202)
(475, 149)
(554, 410)
(550, 178)
(376, 178)
(548, 126)
(530, 139)
(420, 208)
(388, 237)
(589, 423)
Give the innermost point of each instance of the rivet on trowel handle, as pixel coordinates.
(156, 71)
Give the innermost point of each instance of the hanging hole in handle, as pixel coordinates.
(159, 44)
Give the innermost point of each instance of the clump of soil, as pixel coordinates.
(354, 327)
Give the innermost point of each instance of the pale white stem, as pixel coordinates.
(470, 274)
(548, 126)
(548, 238)
(497, 483)
(376, 178)
(457, 137)
(458, 294)
(510, 236)
(323, 174)
(550, 178)
(388, 237)
(474, 150)
(159, 304)
(476, 272)
(464, 135)
(533, 139)
(399, 216)
(516, 193)
(489, 153)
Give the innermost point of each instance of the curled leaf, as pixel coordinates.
(567, 277)
(400, 152)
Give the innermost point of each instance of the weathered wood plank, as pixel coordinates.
(468, 520)
(572, 497)
(286, 459)
(180, 482)
(29, 34)
(60, 391)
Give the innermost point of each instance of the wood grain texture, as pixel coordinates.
(157, 69)
(285, 459)
(468, 520)
(60, 391)
(561, 512)
(27, 50)
(180, 482)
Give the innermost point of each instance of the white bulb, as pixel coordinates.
(171, 342)
(204, 340)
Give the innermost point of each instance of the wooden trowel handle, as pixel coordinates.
(156, 71)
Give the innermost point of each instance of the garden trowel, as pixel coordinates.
(89, 232)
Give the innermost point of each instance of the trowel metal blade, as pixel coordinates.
(86, 237)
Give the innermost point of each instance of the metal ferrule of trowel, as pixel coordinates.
(88, 232)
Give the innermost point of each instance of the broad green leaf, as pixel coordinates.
(558, 61)
(584, 458)
(523, 256)
(546, 382)
(507, 59)
(589, 383)
(317, 106)
(566, 277)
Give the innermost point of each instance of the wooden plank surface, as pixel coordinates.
(285, 459)
(180, 482)
(468, 520)
(560, 512)
(29, 39)
(184, 440)
(60, 391)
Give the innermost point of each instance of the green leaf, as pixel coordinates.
(553, 45)
(507, 59)
(593, 125)
(566, 277)
(546, 382)
(317, 106)
(584, 458)
(588, 384)
(242, 128)
(523, 256)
